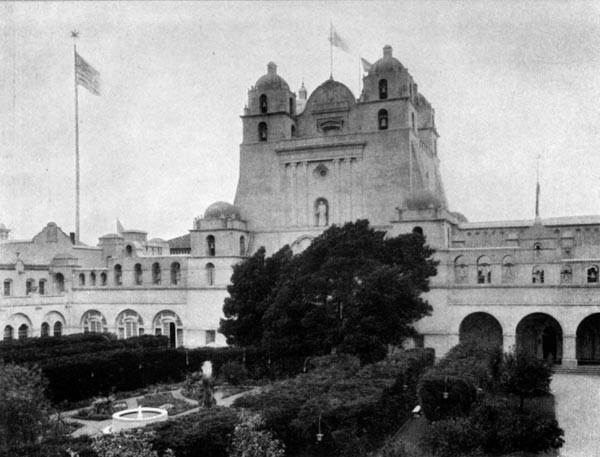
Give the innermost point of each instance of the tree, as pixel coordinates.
(250, 441)
(351, 289)
(24, 410)
(130, 443)
(252, 284)
(525, 376)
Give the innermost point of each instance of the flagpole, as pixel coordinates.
(330, 50)
(74, 35)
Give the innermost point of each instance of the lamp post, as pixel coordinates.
(445, 395)
(319, 434)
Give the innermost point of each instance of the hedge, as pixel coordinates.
(444, 396)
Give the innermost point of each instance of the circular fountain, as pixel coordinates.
(138, 417)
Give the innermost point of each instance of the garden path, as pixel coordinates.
(578, 413)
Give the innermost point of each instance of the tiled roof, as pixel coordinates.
(180, 242)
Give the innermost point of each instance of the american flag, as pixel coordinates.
(86, 75)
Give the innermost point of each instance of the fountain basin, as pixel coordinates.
(138, 417)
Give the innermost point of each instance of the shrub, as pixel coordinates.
(481, 364)
(444, 396)
(250, 441)
(234, 372)
(525, 376)
(452, 437)
(205, 433)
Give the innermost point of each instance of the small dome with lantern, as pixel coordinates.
(222, 210)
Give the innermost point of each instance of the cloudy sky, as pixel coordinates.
(509, 81)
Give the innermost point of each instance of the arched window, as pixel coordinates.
(382, 119)
(169, 324)
(81, 279)
(592, 274)
(508, 270)
(45, 330)
(383, 89)
(262, 131)
(7, 284)
(92, 279)
(566, 274)
(460, 270)
(94, 322)
(57, 328)
(118, 275)
(210, 246)
(8, 333)
(484, 272)
(42, 287)
(175, 273)
(156, 273)
(418, 230)
(29, 286)
(103, 279)
(242, 245)
(262, 101)
(23, 331)
(293, 133)
(129, 323)
(59, 282)
(128, 250)
(537, 275)
(537, 249)
(137, 274)
(291, 105)
(210, 274)
(412, 120)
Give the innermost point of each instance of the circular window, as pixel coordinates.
(321, 171)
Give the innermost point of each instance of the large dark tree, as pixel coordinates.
(351, 289)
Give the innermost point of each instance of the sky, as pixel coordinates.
(510, 82)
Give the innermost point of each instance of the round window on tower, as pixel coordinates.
(321, 171)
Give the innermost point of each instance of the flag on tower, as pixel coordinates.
(86, 75)
(336, 40)
(366, 65)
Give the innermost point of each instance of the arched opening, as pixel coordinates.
(81, 279)
(566, 274)
(412, 120)
(242, 245)
(321, 212)
(537, 275)
(129, 250)
(540, 335)
(210, 274)
(508, 270)
(484, 271)
(418, 230)
(156, 273)
(45, 331)
(129, 324)
(592, 274)
(23, 331)
(29, 286)
(461, 270)
(482, 329)
(8, 333)
(42, 287)
(118, 275)
(291, 106)
(103, 279)
(382, 119)
(293, 131)
(175, 273)
(383, 89)
(169, 324)
(262, 101)
(59, 283)
(211, 249)
(137, 274)
(93, 321)
(262, 131)
(58, 328)
(588, 340)
(92, 279)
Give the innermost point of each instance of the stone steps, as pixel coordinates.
(582, 369)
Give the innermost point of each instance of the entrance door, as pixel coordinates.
(549, 343)
(172, 335)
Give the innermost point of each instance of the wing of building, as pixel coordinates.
(307, 162)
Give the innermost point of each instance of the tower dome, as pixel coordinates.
(271, 80)
(387, 63)
(222, 210)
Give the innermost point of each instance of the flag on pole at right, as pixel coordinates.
(336, 40)
(86, 75)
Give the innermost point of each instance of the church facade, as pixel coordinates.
(307, 162)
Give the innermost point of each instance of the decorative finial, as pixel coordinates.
(74, 34)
